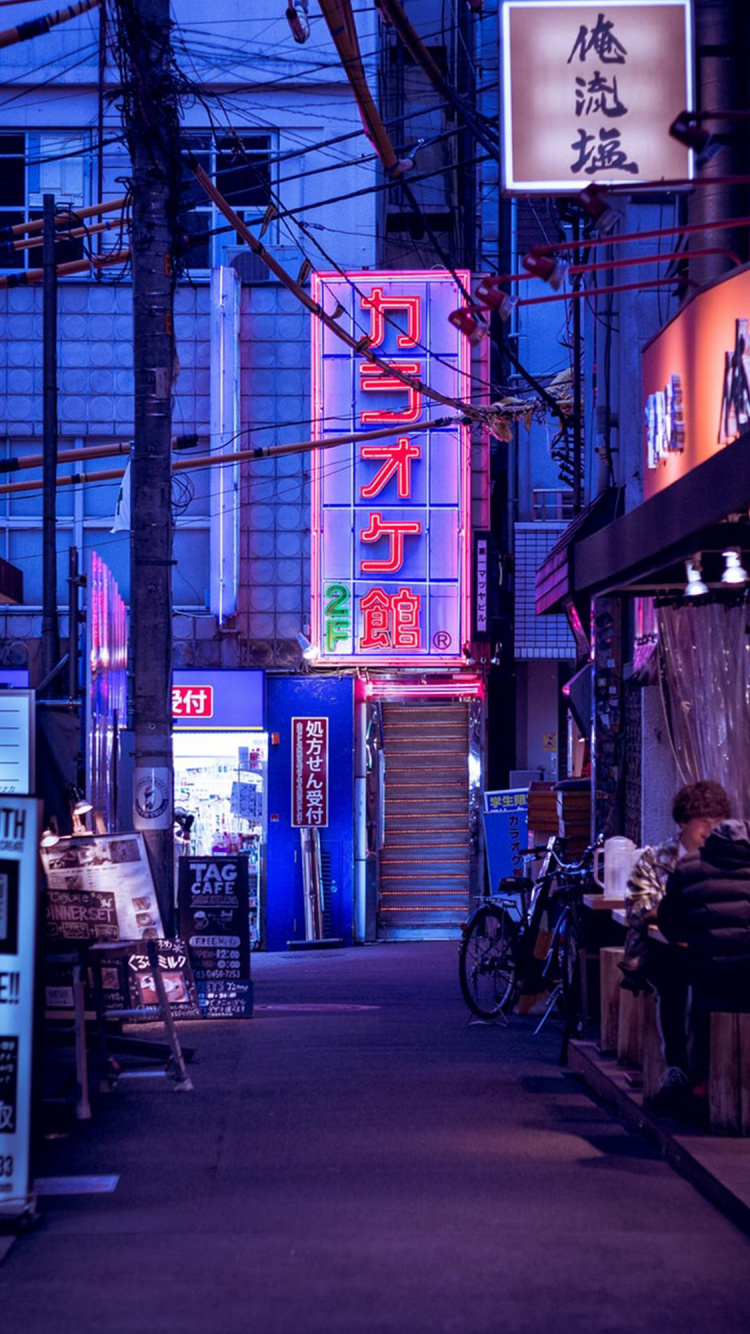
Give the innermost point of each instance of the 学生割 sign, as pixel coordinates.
(390, 527)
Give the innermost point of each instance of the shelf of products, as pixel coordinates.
(220, 779)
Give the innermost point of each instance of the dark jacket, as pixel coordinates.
(707, 904)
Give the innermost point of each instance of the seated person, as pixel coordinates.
(648, 965)
(707, 904)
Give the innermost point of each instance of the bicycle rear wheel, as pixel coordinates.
(487, 961)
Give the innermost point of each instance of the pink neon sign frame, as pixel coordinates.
(412, 660)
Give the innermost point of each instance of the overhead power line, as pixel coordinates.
(238, 456)
(30, 276)
(361, 345)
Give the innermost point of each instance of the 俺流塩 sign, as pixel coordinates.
(590, 91)
(390, 546)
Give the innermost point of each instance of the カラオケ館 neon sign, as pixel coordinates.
(390, 525)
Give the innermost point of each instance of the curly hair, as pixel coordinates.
(703, 800)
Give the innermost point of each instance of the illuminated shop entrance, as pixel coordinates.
(427, 775)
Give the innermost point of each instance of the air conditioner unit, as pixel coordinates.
(251, 268)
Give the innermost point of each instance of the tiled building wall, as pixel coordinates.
(274, 592)
(95, 359)
(95, 405)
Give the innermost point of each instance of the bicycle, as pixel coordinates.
(499, 954)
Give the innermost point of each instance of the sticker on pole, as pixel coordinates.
(152, 798)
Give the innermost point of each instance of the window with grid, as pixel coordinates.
(31, 166)
(240, 167)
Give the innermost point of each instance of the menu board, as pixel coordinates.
(99, 887)
(213, 911)
(127, 978)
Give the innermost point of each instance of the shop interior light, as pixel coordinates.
(695, 587)
(79, 809)
(309, 653)
(50, 836)
(687, 130)
(470, 323)
(79, 803)
(734, 570)
(600, 208)
(492, 296)
(550, 270)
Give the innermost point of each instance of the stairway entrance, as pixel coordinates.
(425, 857)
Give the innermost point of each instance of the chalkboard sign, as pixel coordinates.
(127, 978)
(213, 910)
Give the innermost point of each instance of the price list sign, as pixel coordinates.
(213, 906)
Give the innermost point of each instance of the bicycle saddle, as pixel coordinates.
(515, 884)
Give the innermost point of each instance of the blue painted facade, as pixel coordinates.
(300, 696)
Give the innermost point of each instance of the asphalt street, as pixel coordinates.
(356, 1159)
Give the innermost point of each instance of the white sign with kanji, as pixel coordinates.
(309, 773)
(590, 91)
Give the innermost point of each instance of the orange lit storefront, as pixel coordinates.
(691, 532)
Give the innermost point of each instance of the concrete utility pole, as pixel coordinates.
(151, 118)
(50, 630)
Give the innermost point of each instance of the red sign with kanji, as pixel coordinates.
(192, 701)
(309, 773)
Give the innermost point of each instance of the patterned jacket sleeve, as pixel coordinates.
(645, 889)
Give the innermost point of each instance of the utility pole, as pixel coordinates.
(50, 634)
(151, 119)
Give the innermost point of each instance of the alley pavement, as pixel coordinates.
(357, 1160)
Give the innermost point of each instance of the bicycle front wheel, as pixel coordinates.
(487, 962)
(568, 946)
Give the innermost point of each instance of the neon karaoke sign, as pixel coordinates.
(390, 518)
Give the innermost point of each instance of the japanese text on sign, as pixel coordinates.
(192, 701)
(591, 89)
(390, 527)
(309, 773)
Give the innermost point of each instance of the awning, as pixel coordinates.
(705, 511)
(555, 577)
(643, 551)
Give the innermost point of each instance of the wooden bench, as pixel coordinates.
(729, 1074)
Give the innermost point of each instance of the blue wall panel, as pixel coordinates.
(287, 698)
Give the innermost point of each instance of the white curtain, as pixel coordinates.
(706, 656)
